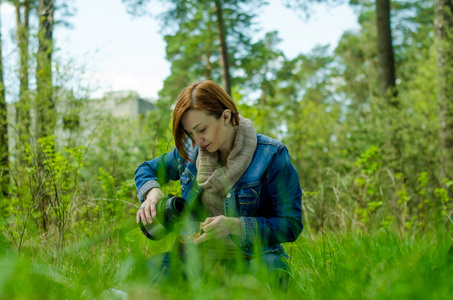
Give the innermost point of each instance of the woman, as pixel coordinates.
(244, 181)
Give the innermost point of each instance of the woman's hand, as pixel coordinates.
(147, 210)
(218, 227)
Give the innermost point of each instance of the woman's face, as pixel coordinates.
(207, 131)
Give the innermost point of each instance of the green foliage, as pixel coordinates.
(368, 165)
(369, 161)
(108, 184)
(442, 194)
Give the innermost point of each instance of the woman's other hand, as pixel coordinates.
(218, 227)
(147, 210)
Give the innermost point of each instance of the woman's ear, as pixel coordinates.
(226, 115)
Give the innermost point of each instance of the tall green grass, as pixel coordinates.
(383, 264)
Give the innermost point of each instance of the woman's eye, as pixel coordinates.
(202, 130)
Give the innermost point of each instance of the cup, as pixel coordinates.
(190, 231)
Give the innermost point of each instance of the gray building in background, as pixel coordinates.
(123, 104)
(77, 118)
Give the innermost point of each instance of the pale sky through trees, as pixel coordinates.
(121, 52)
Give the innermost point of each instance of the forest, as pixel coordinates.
(368, 125)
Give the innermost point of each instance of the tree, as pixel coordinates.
(45, 122)
(229, 21)
(44, 102)
(444, 35)
(4, 152)
(23, 106)
(194, 47)
(309, 111)
(263, 66)
(258, 87)
(22, 33)
(387, 78)
(385, 51)
(223, 48)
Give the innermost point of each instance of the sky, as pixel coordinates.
(114, 51)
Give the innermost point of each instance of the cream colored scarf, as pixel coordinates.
(217, 180)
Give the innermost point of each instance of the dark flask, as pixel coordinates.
(169, 211)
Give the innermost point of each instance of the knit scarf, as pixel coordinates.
(215, 179)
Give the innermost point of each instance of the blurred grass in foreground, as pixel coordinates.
(335, 265)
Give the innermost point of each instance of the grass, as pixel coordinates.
(379, 265)
(383, 264)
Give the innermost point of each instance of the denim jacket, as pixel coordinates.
(267, 198)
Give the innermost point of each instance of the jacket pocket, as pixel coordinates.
(249, 197)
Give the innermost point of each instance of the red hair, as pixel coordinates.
(205, 95)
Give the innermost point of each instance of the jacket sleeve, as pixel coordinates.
(283, 223)
(157, 172)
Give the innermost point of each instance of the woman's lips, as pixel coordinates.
(207, 145)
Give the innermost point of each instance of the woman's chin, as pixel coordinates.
(212, 150)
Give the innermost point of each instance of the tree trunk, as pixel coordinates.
(223, 50)
(443, 24)
(387, 77)
(45, 123)
(4, 153)
(385, 51)
(208, 66)
(45, 107)
(23, 106)
(22, 42)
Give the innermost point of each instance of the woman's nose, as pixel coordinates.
(198, 141)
